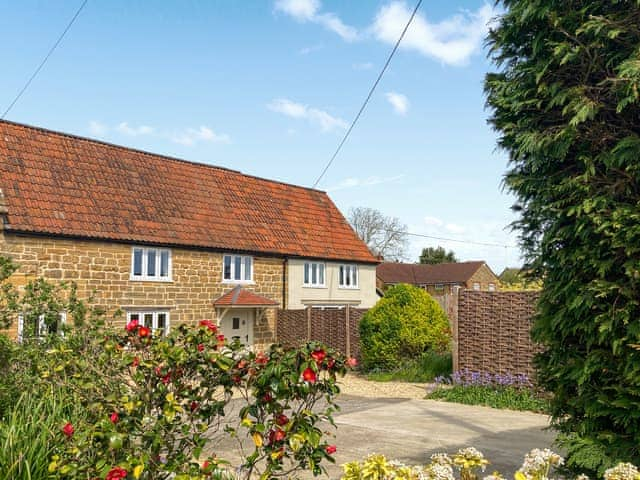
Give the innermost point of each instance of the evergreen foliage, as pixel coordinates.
(566, 103)
(433, 256)
(403, 325)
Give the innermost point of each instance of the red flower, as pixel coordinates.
(68, 430)
(282, 419)
(261, 358)
(276, 435)
(135, 362)
(220, 338)
(209, 324)
(330, 449)
(132, 325)
(205, 464)
(267, 397)
(352, 362)
(116, 473)
(114, 417)
(309, 375)
(200, 347)
(167, 378)
(318, 356)
(144, 332)
(194, 405)
(330, 363)
(241, 364)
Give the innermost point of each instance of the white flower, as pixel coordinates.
(441, 459)
(537, 463)
(622, 471)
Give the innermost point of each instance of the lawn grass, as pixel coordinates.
(496, 396)
(422, 370)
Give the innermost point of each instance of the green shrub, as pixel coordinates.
(424, 369)
(504, 397)
(566, 103)
(403, 325)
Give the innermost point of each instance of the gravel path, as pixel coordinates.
(358, 386)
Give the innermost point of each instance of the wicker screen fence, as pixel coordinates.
(494, 332)
(335, 327)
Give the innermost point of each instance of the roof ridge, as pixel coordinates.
(74, 136)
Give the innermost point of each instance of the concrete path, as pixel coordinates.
(411, 430)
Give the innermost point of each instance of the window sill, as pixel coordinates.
(314, 286)
(348, 288)
(150, 279)
(238, 282)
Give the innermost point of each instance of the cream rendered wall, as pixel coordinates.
(300, 296)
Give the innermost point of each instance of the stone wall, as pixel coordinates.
(484, 276)
(102, 269)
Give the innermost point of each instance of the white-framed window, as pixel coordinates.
(237, 268)
(348, 276)
(439, 287)
(492, 287)
(314, 274)
(156, 320)
(152, 264)
(42, 329)
(476, 286)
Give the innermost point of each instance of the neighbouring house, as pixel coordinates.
(169, 241)
(439, 279)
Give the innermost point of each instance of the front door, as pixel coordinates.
(238, 325)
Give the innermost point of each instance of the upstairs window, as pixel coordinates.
(348, 276)
(237, 268)
(314, 274)
(439, 287)
(492, 287)
(151, 264)
(476, 286)
(157, 321)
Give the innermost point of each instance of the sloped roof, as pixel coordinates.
(61, 184)
(420, 274)
(238, 297)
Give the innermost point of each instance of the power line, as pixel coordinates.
(366, 101)
(26, 85)
(470, 242)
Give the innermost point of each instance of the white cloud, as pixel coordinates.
(362, 66)
(97, 128)
(191, 136)
(399, 102)
(309, 11)
(311, 49)
(454, 228)
(134, 131)
(352, 182)
(433, 221)
(324, 120)
(452, 40)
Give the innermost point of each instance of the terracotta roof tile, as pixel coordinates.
(420, 274)
(61, 184)
(238, 296)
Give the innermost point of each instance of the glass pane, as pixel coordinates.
(227, 267)
(148, 320)
(247, 268)
(236, 323)
(237, 265)
(164, 263)
(134, 316)
(314, 273)
(162, 321)
(306, 274)
(347, 278)
(355, 276)
(137, 261)
(151, 263)
(341, 275)
(321, 274)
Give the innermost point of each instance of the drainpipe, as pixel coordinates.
(3, 211)
(284, 283)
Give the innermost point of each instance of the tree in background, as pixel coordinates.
(385, 236)
(566, 103)
(433, 256)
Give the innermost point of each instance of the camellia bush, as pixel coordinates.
(566, 104)
(166, 399)
(468, 464)
(404, 324)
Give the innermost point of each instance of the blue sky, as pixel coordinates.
(269, 87)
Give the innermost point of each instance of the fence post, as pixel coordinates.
(347, 314)
(455, 300)
(308, 324)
